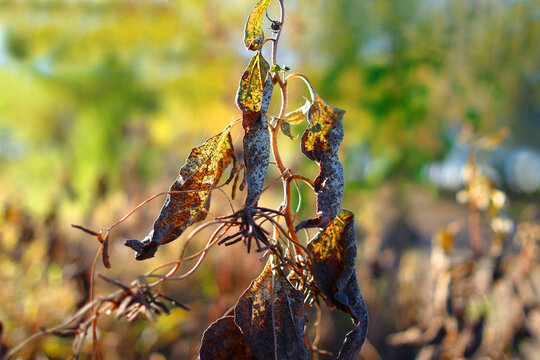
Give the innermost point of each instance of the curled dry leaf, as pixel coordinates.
(334, 257)
(286, 130)
(201, 172)
(270, 314)
(104, 241)
(138, 299)
(295, 117)
(253, 33)
(224, 340)
(253, 98)
(320, 143)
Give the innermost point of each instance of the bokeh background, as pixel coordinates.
(101, 101)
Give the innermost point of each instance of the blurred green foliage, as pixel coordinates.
(93, 92)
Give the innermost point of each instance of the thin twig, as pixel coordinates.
(306, 80)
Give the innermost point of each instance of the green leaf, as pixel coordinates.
(253, 33)
(276, 68)
(334, 257)
(270, 314)
(320, 143)
(202, 170)
(256, 75)
(223, 340)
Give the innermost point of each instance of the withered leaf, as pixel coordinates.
(270, 314)
(325, 130)
(253, 33)
(253, 98)
(320, 143)
(286, 130)
(250, 91)
(294, 118)
(223, 340)
(297, 116)
(334, 257)
(202, 170)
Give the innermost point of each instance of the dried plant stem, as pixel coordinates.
(274, 130)
(92, 283)
(172, 192)
(301, 178)
(278, 33)
(283, 170)
(306, 80)
(213, 239)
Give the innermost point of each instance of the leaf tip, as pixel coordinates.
(144, 249)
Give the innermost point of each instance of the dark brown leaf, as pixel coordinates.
(253, 33)
(320, 143)
(254, 95)
(224, 341)
(270, 314)
(105, 253)
(334, 258)
(202, 170)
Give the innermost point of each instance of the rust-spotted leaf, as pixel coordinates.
(250, 91)
(253, 32)
(325, 130)
(223, 340)
(253, 98)
(270, 314)
(202, 170)
(334, 257)
(320, 143)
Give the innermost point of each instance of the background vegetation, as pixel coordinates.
(100, 102)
